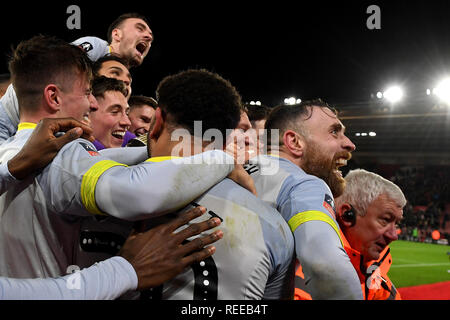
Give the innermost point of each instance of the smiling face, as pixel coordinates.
(110, 121)
(376, 229)
(140, 118)
(78, 102)
(327, 148)
(134, 39)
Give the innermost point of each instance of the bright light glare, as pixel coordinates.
(372, 134)
(393, 94)
(442, 91)
(379, 95)
(291, 100)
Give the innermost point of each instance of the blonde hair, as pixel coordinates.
(363, 187)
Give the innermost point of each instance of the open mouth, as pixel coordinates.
(86, 119)
(341, 162)
(118, 134)
(141, 47)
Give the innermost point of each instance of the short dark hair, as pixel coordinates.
(257, 112)
(42, 60)
(102, 84)
(138, 101)
(199, 95)
(97, 65)
(116, 23)
(284, 117)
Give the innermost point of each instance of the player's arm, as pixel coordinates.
(128, 156)
(79, 181)
(41, 148)
(329, 274)
(147, 260)
(154, 188)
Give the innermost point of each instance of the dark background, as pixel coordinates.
(273, 50)
(269, 50)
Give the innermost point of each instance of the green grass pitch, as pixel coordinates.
(417, 263)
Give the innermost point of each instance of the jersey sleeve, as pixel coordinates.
(80, 181)
(94, 47)
(9, 114)
(128, 156)
(6, 179)
(157, 188)
(309, 209)
(105, 280)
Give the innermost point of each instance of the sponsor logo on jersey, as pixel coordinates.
(328, 203)
(86, 46)
(90, 149)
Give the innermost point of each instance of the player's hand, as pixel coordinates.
(158, 254)
(42, 146)
(241, 177)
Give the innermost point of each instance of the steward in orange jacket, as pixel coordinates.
(375, 282)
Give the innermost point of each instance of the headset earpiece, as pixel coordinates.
(350, 216)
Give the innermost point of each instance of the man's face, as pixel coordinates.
(140, 118)
(376, 229)
(135, 40)
(327, 148)
(110, 121)
(114, 69)
(77, 102)
(242, 141)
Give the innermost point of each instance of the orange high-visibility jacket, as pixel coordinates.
(375, 282)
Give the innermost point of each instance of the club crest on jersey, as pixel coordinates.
(86, 46)
(328, 203)
(90, 149)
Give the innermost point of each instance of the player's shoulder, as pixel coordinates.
(270, 219)
(94, 47)
(77, 149)
(84, 42)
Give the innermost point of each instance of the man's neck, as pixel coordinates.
(114, 47)
(35, 118)
(285, 155)
(188, 147)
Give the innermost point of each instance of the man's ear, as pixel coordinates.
(116, 35)
(294, 142)
(341, 210)
(158, 126)
(52, 97)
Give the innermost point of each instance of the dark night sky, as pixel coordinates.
(268, 51)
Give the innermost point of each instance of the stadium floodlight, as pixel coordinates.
(379, 95)
(372, 134)
(393, 94)
(442, 91)
(292, 100)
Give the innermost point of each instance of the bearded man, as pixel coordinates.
(299, 177)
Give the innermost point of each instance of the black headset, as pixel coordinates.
(350, 216)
